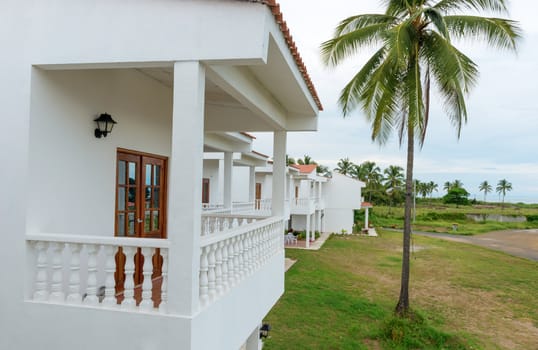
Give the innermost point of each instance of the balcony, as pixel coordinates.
(302, 206)
(121, 276)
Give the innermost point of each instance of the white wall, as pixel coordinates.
(338, 219)
(240, 179)
(342, 192)
(72, 174)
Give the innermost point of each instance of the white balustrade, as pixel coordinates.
(219, 223)
(228, 258)
(164, 279)
(258, 207)
(90, 283)
(73, 296)
(302, 205)
(147, 304)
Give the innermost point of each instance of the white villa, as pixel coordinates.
(104, 228)
(312, 202)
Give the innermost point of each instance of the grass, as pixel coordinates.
(441, 218)
(463, 297)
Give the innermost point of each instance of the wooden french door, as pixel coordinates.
(140, 212)
(205, 190)
(140, 196)
(257, 203)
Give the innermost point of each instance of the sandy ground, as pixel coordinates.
(522, 243)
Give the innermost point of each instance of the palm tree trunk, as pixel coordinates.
(402, 308)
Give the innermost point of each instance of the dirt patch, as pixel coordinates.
(522, 243)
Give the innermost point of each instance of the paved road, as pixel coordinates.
(522, 243)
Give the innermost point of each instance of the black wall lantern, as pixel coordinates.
(105, 123)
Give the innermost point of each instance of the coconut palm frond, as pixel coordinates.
(451, 6)
(335, 50)
(349, 97)
(497, 32)
(438, 21)
(354, 23)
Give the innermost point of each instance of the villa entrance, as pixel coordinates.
(140, 212)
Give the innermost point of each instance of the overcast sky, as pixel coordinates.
(499, 141)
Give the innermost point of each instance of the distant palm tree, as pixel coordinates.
(432, 186)
(421, 188)
(357, 172)
(393, 181)
(447, 186)
(344, 166)
(503, 186)
(372, 177)
(323, 170)
(486, 188)
(306, 160)
(289, 160)
(394, 177)
(457, 184)
(414, 40)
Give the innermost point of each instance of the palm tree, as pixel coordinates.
(306, 160)
(323, 170)
(447, 186)
(393, 181)
(344, 166)
(457, 184)
(372, 176)
(393, 86)
(486, 188)
(357, 172)
(394, 178)
(289, 160)
(503, 186)
(432, 186)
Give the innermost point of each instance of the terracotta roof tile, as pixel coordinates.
(307, 168)
(275, 10)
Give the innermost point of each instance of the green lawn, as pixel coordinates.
(465, 297)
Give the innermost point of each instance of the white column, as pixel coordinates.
(252, 184)
(253, 341)
(314, 223)
(279, 173)
(308, 230)
(228, 163)
(185, 188)
(319, 190)
(366, 219)
(318, 219)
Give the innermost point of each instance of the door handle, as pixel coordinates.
(139, 221)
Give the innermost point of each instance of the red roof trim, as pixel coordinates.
(260, 154)
(275, 10)
(248, 135)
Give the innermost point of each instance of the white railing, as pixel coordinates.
(302, 204)
(214, 208)
(213, 223)
(320, 203)
(226, 259)
(259, 206)
(89, 281)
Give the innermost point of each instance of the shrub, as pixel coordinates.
(532, 218)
